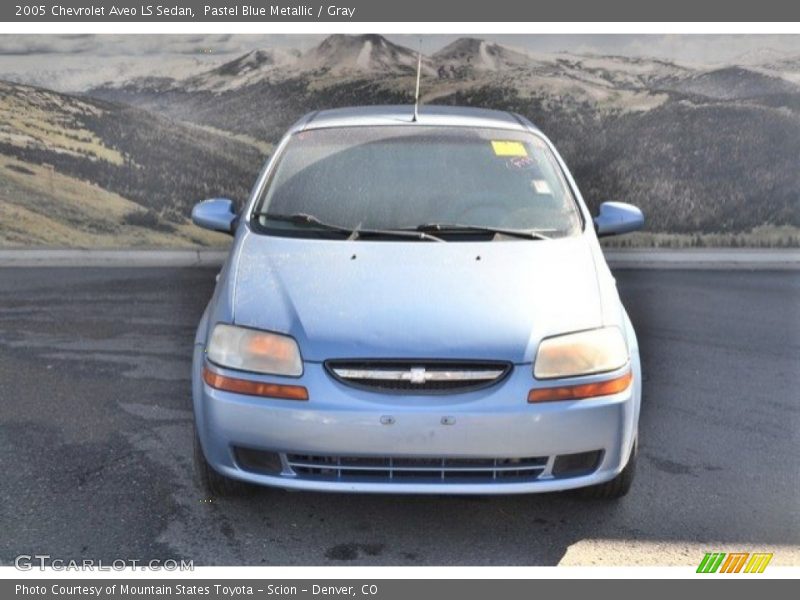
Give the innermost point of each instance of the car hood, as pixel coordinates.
(387, 299)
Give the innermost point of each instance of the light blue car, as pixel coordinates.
(416, 304)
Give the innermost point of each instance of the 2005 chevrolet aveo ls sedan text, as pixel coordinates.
(416, 305)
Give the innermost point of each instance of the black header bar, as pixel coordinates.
(400, 11)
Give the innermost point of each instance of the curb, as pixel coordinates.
(111, 258)
(716, 259)
(712, 258)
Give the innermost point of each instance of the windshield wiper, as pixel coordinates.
(352, 233)
(528, 234)
(303, 219)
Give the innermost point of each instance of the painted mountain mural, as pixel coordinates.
(712, 155)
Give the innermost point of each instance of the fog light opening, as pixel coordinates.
(259, 461)
(572, 465)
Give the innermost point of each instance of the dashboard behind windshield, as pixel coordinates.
(401, 177)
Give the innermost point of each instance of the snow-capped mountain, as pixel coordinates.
(373, 56)
(787, 67)
(244, 70)
(735, 83)
(479, 55)
(78, 73)
(337, 55)
(343, 64)
(759, 57)
(371, 53)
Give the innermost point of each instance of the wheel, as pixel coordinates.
(617, 487)
(212, 483)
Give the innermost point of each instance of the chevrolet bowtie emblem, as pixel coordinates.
(418, 375)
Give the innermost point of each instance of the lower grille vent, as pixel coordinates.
(372, 468)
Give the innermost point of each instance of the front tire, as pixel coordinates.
(617, 487)
(214, 484)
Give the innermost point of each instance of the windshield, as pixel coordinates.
(412, 177)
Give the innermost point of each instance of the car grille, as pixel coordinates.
(418, 377)
(433, 469)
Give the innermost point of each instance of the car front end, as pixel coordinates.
(353, 359)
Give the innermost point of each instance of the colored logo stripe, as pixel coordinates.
(710, 562)
(758, 562)
(734, 562)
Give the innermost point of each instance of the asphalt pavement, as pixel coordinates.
(95, 438)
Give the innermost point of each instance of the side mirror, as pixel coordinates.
(616, 218)
(216, 214)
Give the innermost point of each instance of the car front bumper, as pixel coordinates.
(340, 421)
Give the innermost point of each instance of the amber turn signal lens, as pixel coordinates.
(254, 388)
(579, 392)
(277, 347)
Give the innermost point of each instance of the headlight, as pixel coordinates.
(253, 350)
(582, 353)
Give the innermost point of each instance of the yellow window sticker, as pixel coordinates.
(508, 148)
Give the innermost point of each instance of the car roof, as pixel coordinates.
(452, 116)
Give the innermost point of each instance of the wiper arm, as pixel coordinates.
(353, 234)
(302, 219)
(528, 234)
(416, 235)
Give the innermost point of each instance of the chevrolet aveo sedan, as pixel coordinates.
(416, 304)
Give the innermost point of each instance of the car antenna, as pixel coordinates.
(416, 92)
